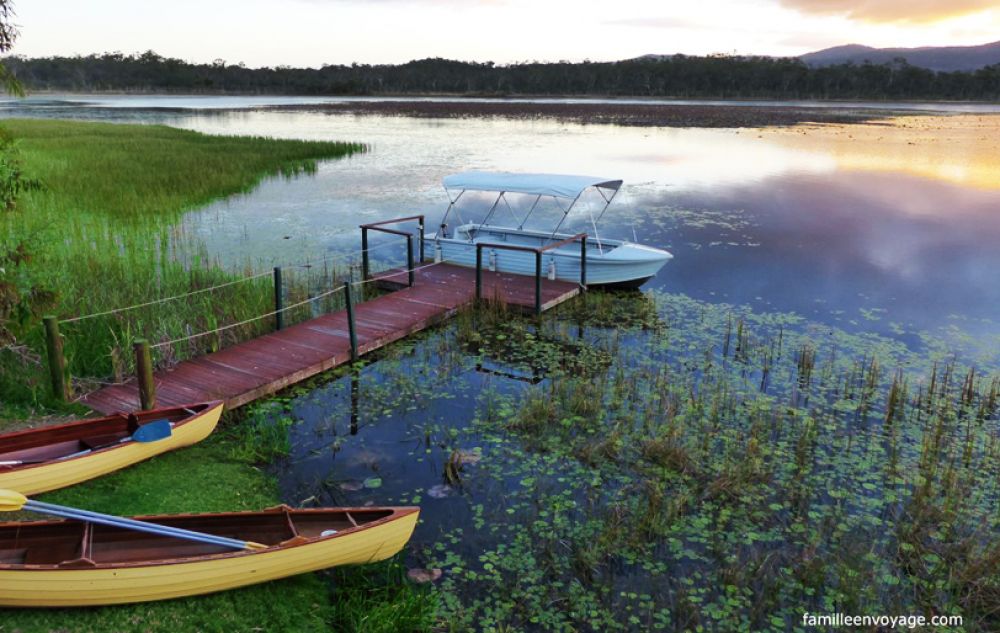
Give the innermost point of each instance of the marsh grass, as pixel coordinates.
(724, 470)
(100, 232)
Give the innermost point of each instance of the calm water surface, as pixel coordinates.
(750, 220)
(774, 225)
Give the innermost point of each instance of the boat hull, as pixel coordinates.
(620, 265)
(51, 586)
(32, 479)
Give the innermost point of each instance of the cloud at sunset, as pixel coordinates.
(892, 10)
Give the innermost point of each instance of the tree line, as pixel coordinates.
(678, 76)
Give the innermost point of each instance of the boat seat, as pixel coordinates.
(100, 441)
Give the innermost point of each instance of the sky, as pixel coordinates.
(311, 33)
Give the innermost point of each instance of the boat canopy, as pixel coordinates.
(557, 185)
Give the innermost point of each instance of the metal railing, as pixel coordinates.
(582, 237)
(379, 226)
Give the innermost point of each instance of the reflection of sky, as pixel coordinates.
(751, 217)
(849, 241)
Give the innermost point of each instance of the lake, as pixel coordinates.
(750, 217)
(623, 465)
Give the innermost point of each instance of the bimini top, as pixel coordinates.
(558, 185)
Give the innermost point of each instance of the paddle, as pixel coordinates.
(11, 501)
(150, 432)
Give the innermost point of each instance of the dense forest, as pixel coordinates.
(676, 76)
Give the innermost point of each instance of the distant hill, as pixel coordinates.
(940, 58)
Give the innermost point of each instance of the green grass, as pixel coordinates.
(99, 232)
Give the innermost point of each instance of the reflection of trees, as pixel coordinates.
(676, 76)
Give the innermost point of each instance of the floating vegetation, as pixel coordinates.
(693, 466)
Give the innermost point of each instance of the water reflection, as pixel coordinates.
(881, 228)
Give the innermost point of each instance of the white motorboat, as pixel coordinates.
(519, 250)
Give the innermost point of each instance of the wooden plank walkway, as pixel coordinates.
(262, 366)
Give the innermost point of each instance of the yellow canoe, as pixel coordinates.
(72, 563)
(43, 459)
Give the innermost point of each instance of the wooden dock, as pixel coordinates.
(262, 366)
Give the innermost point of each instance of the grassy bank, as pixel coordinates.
(98, 237)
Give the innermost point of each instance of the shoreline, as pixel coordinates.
(626, 114)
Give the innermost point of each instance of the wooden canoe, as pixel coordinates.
(73, 563)
(66, 454)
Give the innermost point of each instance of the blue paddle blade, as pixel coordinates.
(152, 431)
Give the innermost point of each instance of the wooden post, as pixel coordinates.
(57, 361)
(479, 272)
(538, 282)
(420, 227)
(583, 264)
(279, 315)
(409, 258)
(364, 253)
(352, 330)
(144, 373)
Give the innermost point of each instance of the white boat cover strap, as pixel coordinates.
(558, 185)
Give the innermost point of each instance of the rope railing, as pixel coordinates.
(326, 258)
(245, 321)
(354, 284)
(163, 300)
(142, 348)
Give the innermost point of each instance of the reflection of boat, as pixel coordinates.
(72, 563)
(37, 460)
(608, 262)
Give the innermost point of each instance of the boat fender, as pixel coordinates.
(552, 270)
(328, 532)
(437, 254)
(493, 260)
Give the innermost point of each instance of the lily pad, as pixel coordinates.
(373, 482)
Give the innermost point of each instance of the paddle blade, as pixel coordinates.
(153, 431)
(11, 501)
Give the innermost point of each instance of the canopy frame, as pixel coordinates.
(540, 185)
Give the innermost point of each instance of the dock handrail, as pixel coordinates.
(380, 226)
(537, 250)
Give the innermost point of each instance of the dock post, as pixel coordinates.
(364, 253)
(352, 330)
(420, 227)
(144, 373)
(479, 272)
(279, 315)
(583, 264)
(538, 282)
(57, 361)
(409, 258)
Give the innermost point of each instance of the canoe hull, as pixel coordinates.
(104, 585)
(52, 475)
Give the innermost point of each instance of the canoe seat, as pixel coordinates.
(100, 441)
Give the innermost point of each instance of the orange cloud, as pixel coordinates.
(893, 10)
